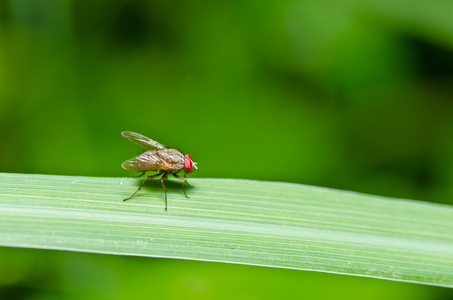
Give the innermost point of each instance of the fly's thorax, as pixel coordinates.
(173, 159)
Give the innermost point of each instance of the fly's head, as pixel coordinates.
(189, 164)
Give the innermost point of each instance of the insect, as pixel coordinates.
(158, 158)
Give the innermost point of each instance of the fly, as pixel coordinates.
(158, 158)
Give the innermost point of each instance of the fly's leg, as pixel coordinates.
(143, 173)
(185, 181)
(162, 180)
(185, 174)
(143, 182)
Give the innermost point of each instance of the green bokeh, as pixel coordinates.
(353, 95)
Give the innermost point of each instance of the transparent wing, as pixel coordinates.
(142, 140)
(147, 161)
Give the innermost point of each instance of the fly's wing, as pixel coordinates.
(147, 161)
(142, 140)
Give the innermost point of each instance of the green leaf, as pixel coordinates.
(236, 221)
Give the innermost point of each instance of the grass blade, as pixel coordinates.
(236, 221)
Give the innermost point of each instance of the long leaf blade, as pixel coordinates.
(236, 221)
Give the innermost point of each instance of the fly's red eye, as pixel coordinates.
(188, 163)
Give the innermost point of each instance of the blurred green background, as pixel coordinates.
(354, 95)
